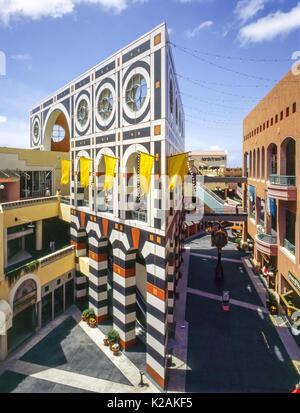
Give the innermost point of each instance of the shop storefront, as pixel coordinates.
(290, 294)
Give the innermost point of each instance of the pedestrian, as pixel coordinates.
(296, 389)
(47, 192)
(52, 246)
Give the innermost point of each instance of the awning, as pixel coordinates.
(237, 227)
(9, 175)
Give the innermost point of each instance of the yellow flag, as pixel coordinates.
(110, 164)
(85, 171)
(65, 171)
(177, 166)
(146, 164)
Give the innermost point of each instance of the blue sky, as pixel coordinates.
(48, 43)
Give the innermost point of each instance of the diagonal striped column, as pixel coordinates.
(78, 239)
(157, 332)
(98, 278)
(124, 297)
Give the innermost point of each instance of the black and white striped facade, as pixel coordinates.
(157, 128)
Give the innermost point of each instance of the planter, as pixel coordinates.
(111, 344)
(92, 322)
(115, 349)
(105, 342)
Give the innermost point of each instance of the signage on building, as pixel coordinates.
(294, 281)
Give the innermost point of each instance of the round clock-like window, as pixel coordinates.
(36, 130)
(105, 104)
(136, 92)
(83, 112)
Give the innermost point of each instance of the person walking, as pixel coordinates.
(47, 192)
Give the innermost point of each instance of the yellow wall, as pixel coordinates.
(39, 158)
(84, 266)
(34, 212)
(64, 212)
(46, 273)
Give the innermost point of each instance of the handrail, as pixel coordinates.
(284, 180)
(23, 203)
(269, 239)
(48, 259)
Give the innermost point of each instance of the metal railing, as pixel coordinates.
(289, 246)
(269, 239)
(28, 202)
(284, 180)
(137, 215)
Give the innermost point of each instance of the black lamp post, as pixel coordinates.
(219, 238)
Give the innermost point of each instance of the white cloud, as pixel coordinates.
(196, 30)
(170, 31)
(271, 26)
(21, 57)
(15, 134)
(3, 119)
(215, 148)
(36, 9)
(246, 9)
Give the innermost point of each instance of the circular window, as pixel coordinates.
(36, 130)
(105, 104)
(136, 92)
(171, 97)
(83, 112)
(58, 133)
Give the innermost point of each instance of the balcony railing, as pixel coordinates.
(29, 202)
(283, 180)
(137, 215)
(289, 246)
(269, 239)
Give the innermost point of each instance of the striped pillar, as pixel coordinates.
(157, 332)
(124, 297)
(98, 278)
(78, 239)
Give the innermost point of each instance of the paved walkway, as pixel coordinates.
(238, 351)
(69, 356)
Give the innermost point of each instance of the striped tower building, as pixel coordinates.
(128, 245)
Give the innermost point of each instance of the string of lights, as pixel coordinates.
(228, 69)
(239, 58)
(220, 84)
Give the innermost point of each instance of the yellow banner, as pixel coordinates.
(110, 164)
(177, 167)
(146, 164)
(65, 171)
(85, 165)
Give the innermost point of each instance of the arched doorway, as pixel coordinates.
(104, 199)
(57, 131)
(271, 160)
(137, 202)
(288, 157)
(25, 313)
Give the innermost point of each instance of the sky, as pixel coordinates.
(228, 55)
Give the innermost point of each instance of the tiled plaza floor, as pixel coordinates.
(68, 356)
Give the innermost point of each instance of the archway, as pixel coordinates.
(288, 157)
(271, 160)
(104, 199)
(82, 197)
(137, 203)
(245, 164)
(258, 164)
(263, 163)
(57, 131)
(250, 164)
(24, 299)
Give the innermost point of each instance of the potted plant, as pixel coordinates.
(90, 313)
(105, 341)
(84, 315)
(113, 337)
(92, 322)
(115, 349)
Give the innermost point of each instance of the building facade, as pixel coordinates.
(271, 163)
(36, 283)
(128, 245)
